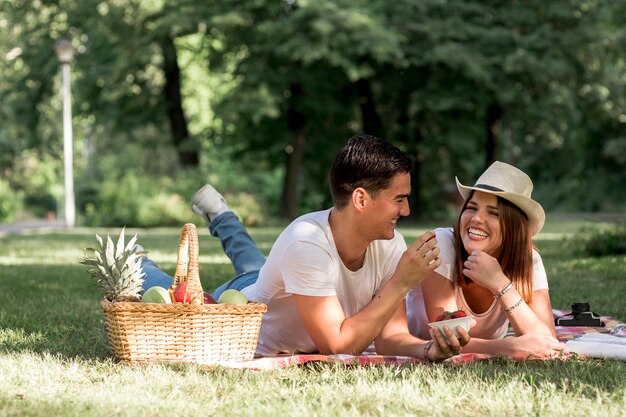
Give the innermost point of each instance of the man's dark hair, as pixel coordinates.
(368, 162)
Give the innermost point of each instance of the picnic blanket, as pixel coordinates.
(366, 358)
(597, 342)
(572, 336)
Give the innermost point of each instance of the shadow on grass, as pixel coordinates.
(53, 309)
(56, 309)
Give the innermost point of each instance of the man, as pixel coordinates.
(336, 280)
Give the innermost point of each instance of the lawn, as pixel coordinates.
(54, 358)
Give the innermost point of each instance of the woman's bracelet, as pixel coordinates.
(514, 306)
(503, 290)
(427, 349)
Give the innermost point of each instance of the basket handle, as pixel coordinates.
(187, 268)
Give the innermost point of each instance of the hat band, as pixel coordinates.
(488, 187)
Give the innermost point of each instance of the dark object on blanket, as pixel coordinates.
(581, 316)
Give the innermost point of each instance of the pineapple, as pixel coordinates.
(117, 269)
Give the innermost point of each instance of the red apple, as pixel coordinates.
(208, 299)
(180, 293)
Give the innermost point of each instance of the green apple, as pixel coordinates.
(232, 297)
(156, 295)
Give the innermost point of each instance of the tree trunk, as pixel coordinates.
(295, 153)
(372, 124)
(494, 114)
(416, 175)
(412, 144)
(186, 149)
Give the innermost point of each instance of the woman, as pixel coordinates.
(491, 270)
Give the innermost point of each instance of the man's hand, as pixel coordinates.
(446, 344)
(417, 261)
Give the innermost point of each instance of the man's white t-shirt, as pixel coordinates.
(304, 261)
(493, 323)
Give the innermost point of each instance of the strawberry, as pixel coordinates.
(458, 314)
(449, 315)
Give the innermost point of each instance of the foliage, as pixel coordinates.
(11, 202)
(605, 241)
(39, 181)
(139, 199)
(276, 87)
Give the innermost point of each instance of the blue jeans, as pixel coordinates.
(238, 245)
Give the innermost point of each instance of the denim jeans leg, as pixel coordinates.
(238, 283)
(242, 251)
(154, 276)
(237, 243)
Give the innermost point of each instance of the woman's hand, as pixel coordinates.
(446, 344)
(532, 345)
(485, 270)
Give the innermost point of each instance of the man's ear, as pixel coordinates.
(360, 198)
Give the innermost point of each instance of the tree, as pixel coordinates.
(120, 82)
(305, 68)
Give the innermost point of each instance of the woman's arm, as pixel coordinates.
(438, 292)
(485, 270)
(518, 347)
(525, 318)
(533, 325)
(530, 340)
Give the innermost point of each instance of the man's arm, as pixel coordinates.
(333, 332)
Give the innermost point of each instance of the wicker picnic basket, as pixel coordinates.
(177, 332)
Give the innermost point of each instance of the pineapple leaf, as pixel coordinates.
(99, 239)
(110, 251)
(116, 268)
(131, 244)
(120, 243)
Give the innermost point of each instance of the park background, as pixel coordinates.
(257, 96)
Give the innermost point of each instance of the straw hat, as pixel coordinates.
(506, 181)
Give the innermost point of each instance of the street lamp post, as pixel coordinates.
(65, 53)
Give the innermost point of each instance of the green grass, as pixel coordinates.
(54, 358)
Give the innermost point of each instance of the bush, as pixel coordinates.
(602, 242)
(31, 187)
(11, 202)
(247, 208)
(136, 200)
(163, 209)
